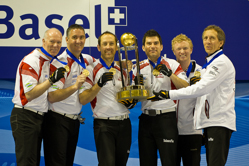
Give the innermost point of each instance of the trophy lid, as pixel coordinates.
(127, 39)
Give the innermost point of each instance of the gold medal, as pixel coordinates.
(67, 68)
(85, 72)
(113, 71)
(197, 74)
(155, 72)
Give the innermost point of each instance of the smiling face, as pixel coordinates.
(182, 51)
(152, 48)
(52, 41)
(211, 42)
(107, 47)
(76, 41)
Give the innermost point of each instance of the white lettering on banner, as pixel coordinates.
(25, 26)
(116, 15)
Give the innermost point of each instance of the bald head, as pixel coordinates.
(52, 41)
(51, 31)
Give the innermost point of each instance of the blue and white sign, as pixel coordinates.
(24, 25)
(117, 16)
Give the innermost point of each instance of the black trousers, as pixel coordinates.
(158, 132)
(217, 145)
(60, 139)
(27, 132)
(189, 150)
(113, 141)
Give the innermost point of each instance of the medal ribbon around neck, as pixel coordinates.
(189, 69)
(55, 57)
(105, 65)
(82, 63)
(158, 62)
(216, 56)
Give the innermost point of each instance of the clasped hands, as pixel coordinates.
(161, 95)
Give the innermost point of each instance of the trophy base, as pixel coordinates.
(133, 92)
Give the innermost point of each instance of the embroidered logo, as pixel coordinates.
(168, 140)
(28, 85)
(210, 139)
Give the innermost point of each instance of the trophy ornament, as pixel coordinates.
(128, 39)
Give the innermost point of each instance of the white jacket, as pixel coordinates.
(186, 110)
(218, 83)
(31, 71)
(157, 83)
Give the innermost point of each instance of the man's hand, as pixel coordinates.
(141, 80)
(163, 69)
(57, 75)
(159, 95)
(129, 103)
(107, 76)
(128, 66)
(194, 79)
(80, 80)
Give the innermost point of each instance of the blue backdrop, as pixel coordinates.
(169, 18)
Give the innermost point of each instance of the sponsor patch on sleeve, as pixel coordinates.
(214, 71)
(55, 87)
(28, 85)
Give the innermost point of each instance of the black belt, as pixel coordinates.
(154, 112)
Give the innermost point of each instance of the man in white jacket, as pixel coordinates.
(217, 84)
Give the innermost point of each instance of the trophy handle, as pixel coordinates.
(137, 62)
(126, 58)
(120, 63)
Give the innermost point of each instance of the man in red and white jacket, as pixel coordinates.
(62, 125)
(30, 99)
(157, 123)
(112, 126)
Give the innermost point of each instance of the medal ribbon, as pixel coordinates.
(105, 65)
(207, 63)
(82, 63)
(55, 57)
(189, 69)
(158, 62)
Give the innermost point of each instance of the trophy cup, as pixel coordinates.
(129, 41)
